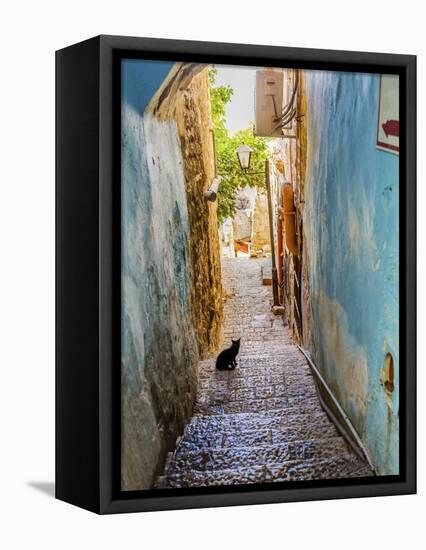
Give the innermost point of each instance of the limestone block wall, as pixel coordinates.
(260, 240)
(226, 233)
(193, 119)
(242, 225)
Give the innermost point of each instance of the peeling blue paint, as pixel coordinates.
(159, 349)
(351, 225)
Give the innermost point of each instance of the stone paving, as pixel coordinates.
(261, 422)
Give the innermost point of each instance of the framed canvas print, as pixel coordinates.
(235, 274)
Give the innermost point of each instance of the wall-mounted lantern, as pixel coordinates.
(244, 156)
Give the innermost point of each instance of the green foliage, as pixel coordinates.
(233, 178)
(219, 97)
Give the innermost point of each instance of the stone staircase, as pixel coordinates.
(263, 421)
(252, 425)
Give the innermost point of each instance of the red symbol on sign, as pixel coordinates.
(391, 128)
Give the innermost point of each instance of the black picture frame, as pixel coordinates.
(88, 273)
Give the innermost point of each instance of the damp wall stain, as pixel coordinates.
(159, 347)
(351, 234)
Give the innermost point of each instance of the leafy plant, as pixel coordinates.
(233, 178)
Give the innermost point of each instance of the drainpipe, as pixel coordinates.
(348, 431)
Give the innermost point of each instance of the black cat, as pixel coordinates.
(226, 360)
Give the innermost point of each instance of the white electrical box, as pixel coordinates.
(269, 101)
(271, 83)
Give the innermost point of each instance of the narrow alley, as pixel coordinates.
(215, 188)
(262, 422)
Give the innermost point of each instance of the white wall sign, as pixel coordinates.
(388, 117)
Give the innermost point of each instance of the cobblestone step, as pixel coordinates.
(234, 437)
(277, 419)
(298, 470)
(287, 356)
(198, 457)
(258, 370)
(217, 394)
(290, 405)
(263, 421)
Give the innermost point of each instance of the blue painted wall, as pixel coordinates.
(140, 80)
(351, 228)
(159, 350)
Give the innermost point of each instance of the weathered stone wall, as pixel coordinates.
(260, 240)
(351, 255)
(346, 203)
(168, 232)
(194, 126)
(226, 233)
(242, 221)
(242, 224)
(290, 166)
